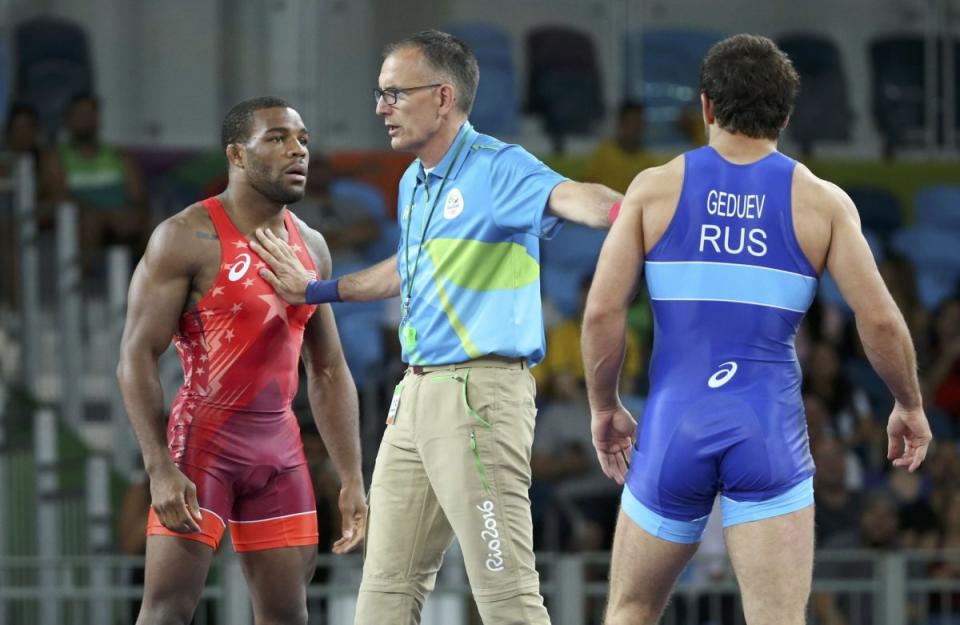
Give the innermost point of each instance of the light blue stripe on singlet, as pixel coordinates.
(686, 532)
(797, 498)
(728, 282)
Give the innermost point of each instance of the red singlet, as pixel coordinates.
(231, 428)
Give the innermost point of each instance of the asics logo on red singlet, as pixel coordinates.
(726, 371)
(239, 268)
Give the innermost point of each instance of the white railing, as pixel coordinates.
(890, 589)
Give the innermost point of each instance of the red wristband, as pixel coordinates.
(615, 211)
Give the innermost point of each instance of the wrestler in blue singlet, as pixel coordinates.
(729, 286)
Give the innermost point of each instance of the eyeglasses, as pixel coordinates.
(390, 94)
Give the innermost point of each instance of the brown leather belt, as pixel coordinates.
(496, 362)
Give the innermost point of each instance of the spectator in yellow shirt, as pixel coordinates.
(560, 375)
(616, 161)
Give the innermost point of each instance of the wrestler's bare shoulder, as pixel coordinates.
(661, 179)
(814, 194)
(659, 182)
(187, 237)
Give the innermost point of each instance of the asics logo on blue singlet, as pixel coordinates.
(726, 371)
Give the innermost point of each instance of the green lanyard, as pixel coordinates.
(405, 305)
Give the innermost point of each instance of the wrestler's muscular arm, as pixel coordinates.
(333, 400)
(615, 282)
(157, 296)
(883, 331)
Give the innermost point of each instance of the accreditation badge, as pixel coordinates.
(394, 405)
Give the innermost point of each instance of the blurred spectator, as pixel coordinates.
(818, 418)
(574, 503)
(943, 467)
(947, 604)
(691, 125)
(823, 323)
(344, 218)
(616, 161)
(132, 534)
(949, 537)
(837, 505)
(917, 520)
(851, 414)
(561, 376)
(23, 131)
(941, 376)
(876, 529)
(22, 138)
(900, 277)
(105, 184)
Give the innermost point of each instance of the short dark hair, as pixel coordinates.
(631, 106)
(84, 96)
(21, 108)
(236, 125)
(448, 55)
(752, 85)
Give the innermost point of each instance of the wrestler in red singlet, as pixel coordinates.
(231, 429)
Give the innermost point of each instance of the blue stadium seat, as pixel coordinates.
(935, 254)
(53, 65)
(938, 206)
(561, 288)
(370, 197)
(662, 70)
(5, 86)
(575, 248)
(564, 81)
(360, 325)
(822, 110)
(880, 209)
(899, 99)
(361, 337)
(496, 110)
(566, 259)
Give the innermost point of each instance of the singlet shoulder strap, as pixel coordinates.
(296, 239)
(221, 221)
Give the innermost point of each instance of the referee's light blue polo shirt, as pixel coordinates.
(475, 290)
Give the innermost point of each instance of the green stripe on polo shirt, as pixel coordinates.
(465, 341)
(482, 266)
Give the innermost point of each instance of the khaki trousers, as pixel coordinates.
(456, 463)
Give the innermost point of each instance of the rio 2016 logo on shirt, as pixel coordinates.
(239, 268)
(723, 374)
(453, 205)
